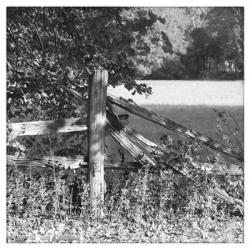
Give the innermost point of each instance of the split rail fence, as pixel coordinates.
(103, 117)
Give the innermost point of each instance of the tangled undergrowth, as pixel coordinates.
(143, 208)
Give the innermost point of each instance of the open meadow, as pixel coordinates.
(200, 118)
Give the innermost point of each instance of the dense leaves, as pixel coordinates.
(218, 46)
(207, 44)
(50, 47)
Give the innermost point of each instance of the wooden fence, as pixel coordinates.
(102, 117)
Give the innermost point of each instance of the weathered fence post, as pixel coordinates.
(96, 124)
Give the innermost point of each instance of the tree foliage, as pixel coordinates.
(218, 46)
(226, 25)
(207, 42)
(50, 47)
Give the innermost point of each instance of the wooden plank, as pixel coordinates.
(63, 162)
(121, 137)
(176, 128)
(45, 127)
(66, 163)
(96, 134)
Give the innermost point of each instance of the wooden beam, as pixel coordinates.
(45, 127)
(116, 131)
(63, 162)
(67, 163)
(96, 125)
(176, 128)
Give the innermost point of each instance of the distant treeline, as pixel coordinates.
(212, 49)
(220, 75)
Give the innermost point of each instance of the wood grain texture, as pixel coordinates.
(96, 134)
(67, 163)
(177, 128)
(139, 147)
(46, 127)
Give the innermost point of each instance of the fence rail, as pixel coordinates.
(46, 127)
(143, 150)
(66, 163)
(176, 128)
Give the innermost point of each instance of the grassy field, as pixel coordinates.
(199, 118)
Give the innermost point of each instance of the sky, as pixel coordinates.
(228, 93)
